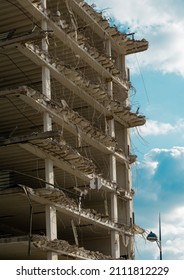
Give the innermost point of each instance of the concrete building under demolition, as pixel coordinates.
(65, 119)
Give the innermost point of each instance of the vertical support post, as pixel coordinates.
(121, 66)
(129, 208)
(51, 218)
(160, 237)
(75, 233)
(115, 240)
(128, 174)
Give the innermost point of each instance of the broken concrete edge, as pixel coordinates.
(65, 152)
(68, 116)
(62, 202)
(114, 107)
(62, 247)
(112, 32)
(124, 116)
(58, 197)
(38, 11)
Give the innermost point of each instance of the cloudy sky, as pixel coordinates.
(158, 76)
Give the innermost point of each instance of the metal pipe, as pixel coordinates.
(160, 237)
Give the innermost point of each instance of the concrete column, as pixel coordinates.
(115, 240)
(128, 175)
(51, 218)
(124, 72)
(121, 66)
(129, 204)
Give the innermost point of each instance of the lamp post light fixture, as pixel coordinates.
(152, 237)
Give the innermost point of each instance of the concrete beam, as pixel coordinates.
(101, 27)
(63, 120)
(57, 162)
(69, 79)
(39, 14)
(21, 39)
(60, 77)
(27, 138)
(84, 214)
(109, 186)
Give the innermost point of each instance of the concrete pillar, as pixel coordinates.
(115, 241)
(51, 218)
(121, 66)
(121, 63)
(129, 204)
(127, 181)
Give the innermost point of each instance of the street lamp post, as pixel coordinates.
(153, 238)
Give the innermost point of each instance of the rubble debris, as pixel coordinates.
(59, 198)
(62, 247)
(122, 39)
(122, 112)
(70, 117)
(65, 152)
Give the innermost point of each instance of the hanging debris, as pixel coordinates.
(121, 113)
(63, 151)
(58, 199)
(69, 116)
(129, 44)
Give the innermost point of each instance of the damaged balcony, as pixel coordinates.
(100, 63)
(83, 218)
(121, 43)
(57, 198)
(91, 93)
(40, 245)
(63, 204)
(64, 157)
(72, 121)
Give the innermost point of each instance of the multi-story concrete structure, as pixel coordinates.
(65, 155)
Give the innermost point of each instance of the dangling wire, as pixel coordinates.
(144, 85)
(144, 142)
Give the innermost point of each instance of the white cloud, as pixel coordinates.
(174, 250)
(160, 22)
(153, 159)
(160, 175)
(175, 152)
(151, 166)
(161, 180)
(155, 128)
(175, 216)
(172, 233)
(172, 228)
(166, 44)
(145, 250)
